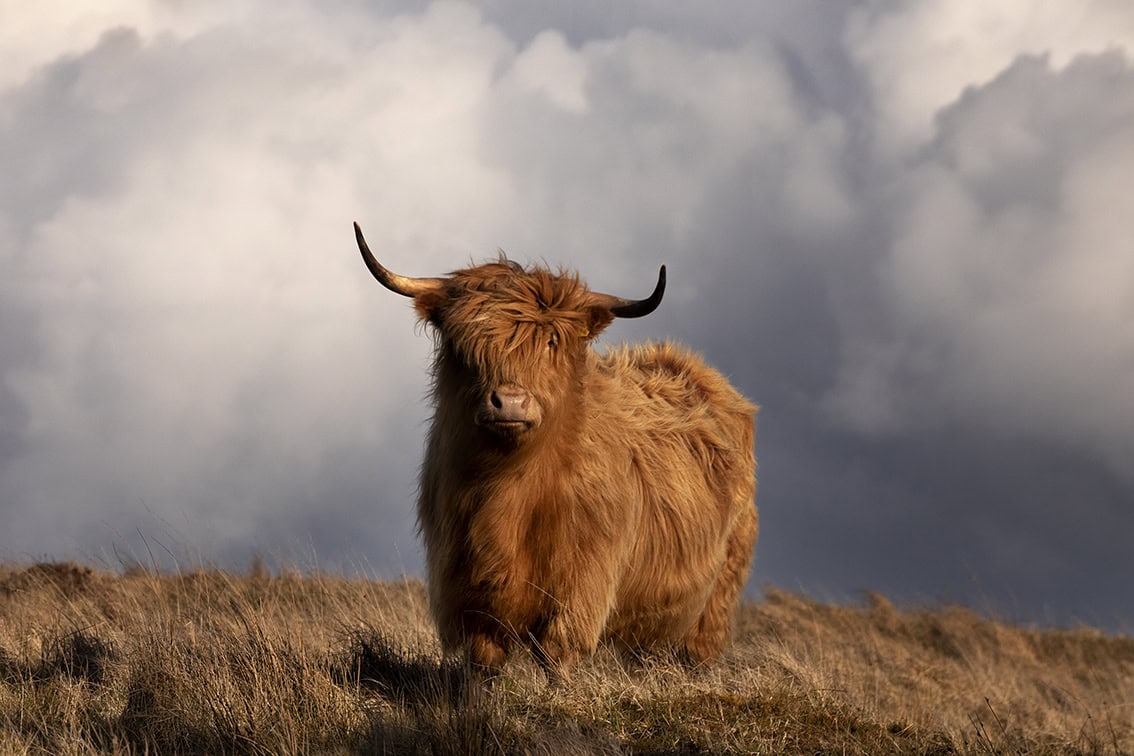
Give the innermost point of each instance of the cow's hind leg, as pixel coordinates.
(710, 635)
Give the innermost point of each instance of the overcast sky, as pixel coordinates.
(906, 229)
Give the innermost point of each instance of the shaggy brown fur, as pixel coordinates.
(624, 511)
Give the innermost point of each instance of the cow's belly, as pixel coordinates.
(658, 616)
(665, 590)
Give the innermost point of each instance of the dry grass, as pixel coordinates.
(214, 662)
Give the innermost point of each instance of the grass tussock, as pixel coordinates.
(211, 662)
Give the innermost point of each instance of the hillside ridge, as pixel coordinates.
(213, 661)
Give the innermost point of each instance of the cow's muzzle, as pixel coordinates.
(509, 410)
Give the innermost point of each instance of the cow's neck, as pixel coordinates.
(547, 455)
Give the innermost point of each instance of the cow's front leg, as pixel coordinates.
(472, 634)
(485, 653)
(572, 632)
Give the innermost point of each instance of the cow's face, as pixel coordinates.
(512, 346)
(512, 343)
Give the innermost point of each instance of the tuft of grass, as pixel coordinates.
(214, 662)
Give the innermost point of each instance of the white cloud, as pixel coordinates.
(549, 67)
(919, 57)
(666, 125)
(201, 340)
(33, 36)
(1010, 274)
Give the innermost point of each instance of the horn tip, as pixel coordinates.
(358, 237)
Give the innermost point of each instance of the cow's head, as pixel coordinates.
(512, 343)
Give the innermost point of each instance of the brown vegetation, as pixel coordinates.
(214, 662)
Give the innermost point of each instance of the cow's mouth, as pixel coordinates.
(508, 427)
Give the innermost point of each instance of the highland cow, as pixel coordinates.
(569, 496)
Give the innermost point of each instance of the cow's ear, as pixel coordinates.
(428, 306)
(598, 318)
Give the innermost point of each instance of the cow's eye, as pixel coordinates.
(553, 342)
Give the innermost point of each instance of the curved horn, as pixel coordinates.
(633, 308)
(404, 285)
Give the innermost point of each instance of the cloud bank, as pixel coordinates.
(900, 228)
(1008, 280)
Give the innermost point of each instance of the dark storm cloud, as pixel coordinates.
(898, 227)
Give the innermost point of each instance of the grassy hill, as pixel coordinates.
(215, 662)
